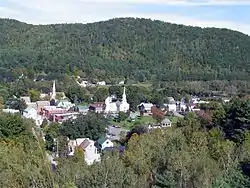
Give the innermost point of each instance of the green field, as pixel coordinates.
(145, 120)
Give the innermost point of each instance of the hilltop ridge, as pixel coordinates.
(139, 49)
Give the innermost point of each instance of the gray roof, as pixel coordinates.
(32, 105)
(166, 121)
(43, 103)
(114, 132)
(118, 103)
(147, 105)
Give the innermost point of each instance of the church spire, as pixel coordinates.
(53, 95)
(124, 98)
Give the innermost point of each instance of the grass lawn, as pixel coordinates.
(138, 121)
(145, 120)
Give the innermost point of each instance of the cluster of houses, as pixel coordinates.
(61, 110)
(85, 83)
(92, 149)
(173, 106)
(52, 110)
(111, 105)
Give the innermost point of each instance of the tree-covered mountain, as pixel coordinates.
(139, 49)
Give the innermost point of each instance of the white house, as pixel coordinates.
(84, 83)
(203, 102)
(225, 100)
(146, 107)
(103, 143)
(183, 107)
(121, 82)
(72, 144)
(166, 123)
(12, 111)
(111, 105)
(88, 146)
(31, 113)
(171, 107)
(194, 100)
(195, 109)
(102, 83)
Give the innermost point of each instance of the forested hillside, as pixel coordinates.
(139, 49)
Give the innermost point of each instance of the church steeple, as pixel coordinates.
(124, 98)
(53, 95)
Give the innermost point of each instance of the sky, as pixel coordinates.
(231, 14)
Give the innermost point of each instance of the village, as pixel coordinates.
(147, 114)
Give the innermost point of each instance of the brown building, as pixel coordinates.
(97, 107)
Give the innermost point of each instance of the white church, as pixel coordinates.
(112, 105)
(53, 93)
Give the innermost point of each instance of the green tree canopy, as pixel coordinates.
(90, 126)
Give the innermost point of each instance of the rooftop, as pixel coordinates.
(97, 104)
(85, 144)
(102, 140)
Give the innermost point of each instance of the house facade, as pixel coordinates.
(88, 146)
(31, 113)
(103, 143)
(145, 107)
(102, 83)
(97, 107)
(166, 123)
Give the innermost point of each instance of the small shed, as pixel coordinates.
(166, 122)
